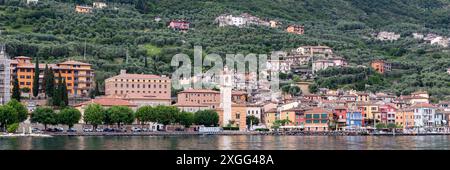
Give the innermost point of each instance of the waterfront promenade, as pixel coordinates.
(231, 133)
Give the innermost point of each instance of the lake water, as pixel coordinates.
(226, 142)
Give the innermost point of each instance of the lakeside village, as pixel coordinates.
(143, 103)
(63, 98)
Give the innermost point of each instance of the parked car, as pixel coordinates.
(99, 130)
(145, 130)
(71, 130)
(108, 130)
(36, 130)
(59, 129)
(136, 129)
(87, 130)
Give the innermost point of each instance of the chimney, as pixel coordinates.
(123, 71)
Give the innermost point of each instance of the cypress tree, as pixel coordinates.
(16, 90)
(44, 80)
(36, 79)
(64, 96)
(57, 95)
(50, 82)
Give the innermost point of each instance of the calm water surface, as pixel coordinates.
(226, 143)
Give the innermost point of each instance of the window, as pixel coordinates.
(316, 121)
(238, 115)
(308, 121)
(115, 85)
(28, 83)
(22, 83)
(316, 116)
(308, 116)
(324, 115)
(28, 77)
(323, 121)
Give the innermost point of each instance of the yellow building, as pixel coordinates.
(270, 116)
(79, 76)
(405, 118)
(371, 112)
(238, 116)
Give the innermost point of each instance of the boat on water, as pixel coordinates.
(24, 135)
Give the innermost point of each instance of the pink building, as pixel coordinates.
(144, 89)
(179, 25)
(203, 97)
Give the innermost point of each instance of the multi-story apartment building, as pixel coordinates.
(145, 89)
(79, 76)
(424, 116)
(405, 118)
(5, 75)
(317, 119)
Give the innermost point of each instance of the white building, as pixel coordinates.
(99, 5)
(242, 20)
(387, 36)
(424, 116)
(278, 66)
(418, 36)
(32, 2)
(440, 41)
(448, 70)
(5, 76)
(254, 110)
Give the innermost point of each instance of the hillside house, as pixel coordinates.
(440, 41)
(418, 36)
(99, 5)
(381, 66)
(242, 20)
(83, 9)
(179, 25)
(387, 36)
(296, 29)
(32, 2)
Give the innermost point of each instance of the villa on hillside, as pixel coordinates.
(387, 36)
(296, 29)
(83, 9)
(242, 20)
(381, 66)
(179, 25)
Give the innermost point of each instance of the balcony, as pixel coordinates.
(84, 75)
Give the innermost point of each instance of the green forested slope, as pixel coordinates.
(53, 31)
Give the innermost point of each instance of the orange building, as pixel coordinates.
(317, 119)
(297, 29)
(83, 9)
(405, 118)
(381, 66)
(79, 76)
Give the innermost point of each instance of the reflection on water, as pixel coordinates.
(226, 143)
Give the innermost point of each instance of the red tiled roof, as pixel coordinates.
(317, 110)
(423, 105)
(72, 62)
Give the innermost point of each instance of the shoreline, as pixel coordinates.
(224, 134)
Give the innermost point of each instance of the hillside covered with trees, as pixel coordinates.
(126, 35)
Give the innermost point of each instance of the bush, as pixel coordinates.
(262, 129)
(12, 128)
(230, 128)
